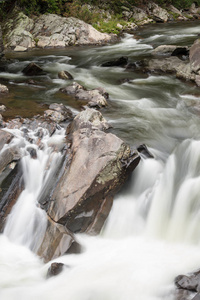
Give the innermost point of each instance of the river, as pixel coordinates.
(153, 231)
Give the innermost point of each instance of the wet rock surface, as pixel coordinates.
(65, 75)
(56, 242)
(92, 98)
(94, 166)
(179, 63)
(55, 269)
(171, 50)
(32, 69)
(118, 62)
(98, 165)
(187, 286)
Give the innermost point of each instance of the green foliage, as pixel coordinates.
(77, 10)
(41, 6)
(109, 26)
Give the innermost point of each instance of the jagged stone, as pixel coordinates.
(32, 69)
(56, 242)
(96, 97)
(98, 165)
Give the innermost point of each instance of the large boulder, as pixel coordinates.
(172, 50)
(18, 31)
(50, 30)
(140, 16)
(118, 62)
(172, 65)
(97, 166)
(157, 13)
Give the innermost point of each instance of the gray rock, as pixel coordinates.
(172, 65)
(96, 97)
(3, 89)
(195, 56)
(2, 108)
(118, 62)
(51, 30)
(171, 50)
(140, 16)
(196, 297)
(157, 13)
(186, 282)
(18, 31)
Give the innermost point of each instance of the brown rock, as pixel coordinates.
(56, 242)
(55, 269)
(32, 70)
(65, 75)
(5, 138)
(11, 187)
(94, 98)
(98, 165)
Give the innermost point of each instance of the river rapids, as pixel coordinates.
(153, 231)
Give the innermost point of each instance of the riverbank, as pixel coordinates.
(95, 24)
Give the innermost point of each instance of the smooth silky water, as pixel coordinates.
(153, 231)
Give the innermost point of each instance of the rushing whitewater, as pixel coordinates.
(153, 231)
(27, 222)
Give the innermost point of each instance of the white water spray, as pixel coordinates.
(26, 224)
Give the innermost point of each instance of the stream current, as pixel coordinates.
(153, 231)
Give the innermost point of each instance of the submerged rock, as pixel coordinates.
(118, 62)
(32, 69)
(65, 75)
